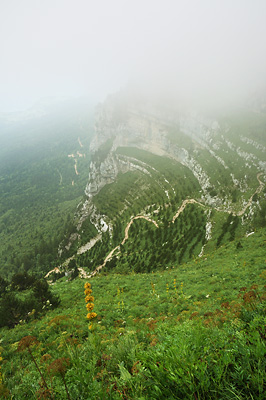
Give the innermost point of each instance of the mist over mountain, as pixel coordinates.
(202, 52)
(161, 205)
(133, 155)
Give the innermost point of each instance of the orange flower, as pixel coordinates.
(87, 292)
(91, 315)
(90, 306)
(89, 298)
(87, 285)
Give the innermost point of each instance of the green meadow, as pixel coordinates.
(191, 331)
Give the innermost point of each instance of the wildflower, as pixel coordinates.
(25, 343)
(90, 306)
(89, 300)
(58, 366)
(45, 358)
(91, 315)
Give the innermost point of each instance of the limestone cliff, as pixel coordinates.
(202, 144)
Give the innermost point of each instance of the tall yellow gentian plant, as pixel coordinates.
(89, 299)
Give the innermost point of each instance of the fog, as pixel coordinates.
(205, 51)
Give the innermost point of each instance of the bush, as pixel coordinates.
(22, 281)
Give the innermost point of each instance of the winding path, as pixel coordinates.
(110, 255)
(81, 145)
(131, 222)
(183, 206)
(181, 209)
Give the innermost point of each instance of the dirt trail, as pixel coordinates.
(110, 255)
(75, 166)
(183, 206)
(56, 270)
(81, 145)
(181, 209)
(90, 244)
(131, 222)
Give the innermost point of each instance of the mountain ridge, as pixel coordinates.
(202, 145)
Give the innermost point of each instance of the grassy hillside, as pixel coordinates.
(178, 309)
(196, 330)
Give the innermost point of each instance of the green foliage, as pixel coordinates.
(3, 285)
(228, 227)
(25, 297)
(170, 323)
(193, 331)
(22, 281)
(39, 189)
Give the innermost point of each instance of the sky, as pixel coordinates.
(206, 50)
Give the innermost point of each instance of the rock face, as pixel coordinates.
(102, 175)
(146, 129)
(202, 141)
(224, 167)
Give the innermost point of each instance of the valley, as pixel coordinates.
(165, 229)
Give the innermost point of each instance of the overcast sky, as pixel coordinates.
(85, 47)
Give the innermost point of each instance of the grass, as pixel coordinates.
(191, 328)
(192, 331)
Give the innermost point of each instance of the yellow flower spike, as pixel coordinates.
(90, 306)
(89, 299)
(91, 315)
(87, 285)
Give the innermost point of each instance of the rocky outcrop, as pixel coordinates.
(142, 129)
(123, 123)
